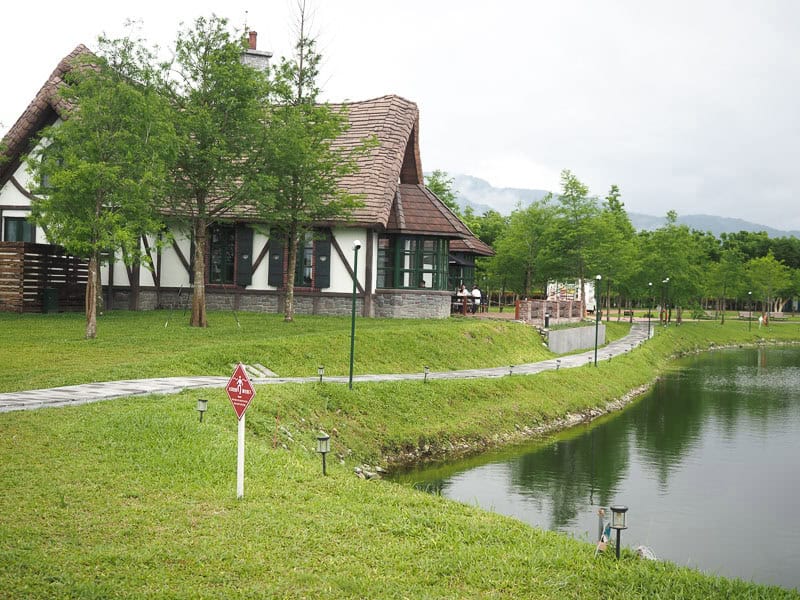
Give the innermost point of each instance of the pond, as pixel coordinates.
(708, 463)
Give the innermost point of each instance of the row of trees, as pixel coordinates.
(573, 236)
(187, 141)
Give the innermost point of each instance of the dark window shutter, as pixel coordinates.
(244, 255)
(322, 266)
(275, 275)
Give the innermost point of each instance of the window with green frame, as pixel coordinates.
(412, 262)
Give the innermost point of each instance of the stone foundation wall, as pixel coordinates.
(270, 302)
(412, 304)
(575, 338)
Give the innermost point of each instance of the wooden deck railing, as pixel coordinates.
(32, 273)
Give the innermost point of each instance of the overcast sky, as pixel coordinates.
(691, 105)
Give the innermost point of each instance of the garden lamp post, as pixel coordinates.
(356, 248)
(597, 317)
(320, 372)
(618, 522)
(666, 301)
(426, 370)
(323, 447)
(202, 406)
(649, 308)
(750, 316)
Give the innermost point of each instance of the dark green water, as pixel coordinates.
(708, 463)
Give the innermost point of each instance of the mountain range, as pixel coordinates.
(482, 196)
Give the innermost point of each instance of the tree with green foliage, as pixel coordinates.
(671, 251)
(441, 184)
(487, 227)
(613, 253)
(300, 162)
(726, 279)
(522, 259)
(576, 223)
(769, 280)
(219, 110)
(98, 171)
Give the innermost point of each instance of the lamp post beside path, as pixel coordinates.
(356, 248)
(597, 317)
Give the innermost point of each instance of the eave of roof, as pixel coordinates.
(45, 107)
(417, 211)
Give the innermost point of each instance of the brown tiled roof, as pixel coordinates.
(394, 122)
(42, 110)
(416, 210)
(471, 245)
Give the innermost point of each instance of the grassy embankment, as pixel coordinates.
(136, 498)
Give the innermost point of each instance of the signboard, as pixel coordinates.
(240, 390)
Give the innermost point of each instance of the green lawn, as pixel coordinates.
(38, 351)
(135, 498)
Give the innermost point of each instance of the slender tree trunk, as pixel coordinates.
(292, 241)
(91, 297)
(199, 317)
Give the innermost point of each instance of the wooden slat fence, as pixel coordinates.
(27, 270)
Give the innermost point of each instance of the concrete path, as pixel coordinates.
(92, 392)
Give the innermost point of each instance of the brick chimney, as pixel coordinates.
(258, 59)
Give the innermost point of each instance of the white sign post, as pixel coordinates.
(241, 393)
(240, 461)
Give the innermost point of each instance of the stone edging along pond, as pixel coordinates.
(464, 447)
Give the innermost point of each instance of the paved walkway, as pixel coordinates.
(92, 392)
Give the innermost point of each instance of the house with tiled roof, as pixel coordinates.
(414, 250)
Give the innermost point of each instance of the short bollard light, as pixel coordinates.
(323, 447)
(202, 406)
(426, 369)
(619, 521)
(320, 372)
(510, 369)
(558, 364)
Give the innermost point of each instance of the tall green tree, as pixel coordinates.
(99, 170)
(613, 253)
(769, 280)
(441, 184)
(522, 260)
(300, 161)
(577, 214)
(219, 109)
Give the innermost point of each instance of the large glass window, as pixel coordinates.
(222, 254)
(18, 229)
(412, 262)
(303, 273)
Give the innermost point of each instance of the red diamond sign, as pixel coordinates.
(240, 390)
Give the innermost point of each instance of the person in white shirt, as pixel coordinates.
(476, 298)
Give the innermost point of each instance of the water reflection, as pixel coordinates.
(711, 449)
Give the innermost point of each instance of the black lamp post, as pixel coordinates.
(323, 447)
(750, 316)
(356, 248)
(320, 372)
(649, 308)
(618, 522)
(597, 317)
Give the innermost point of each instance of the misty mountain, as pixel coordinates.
(482, 196)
